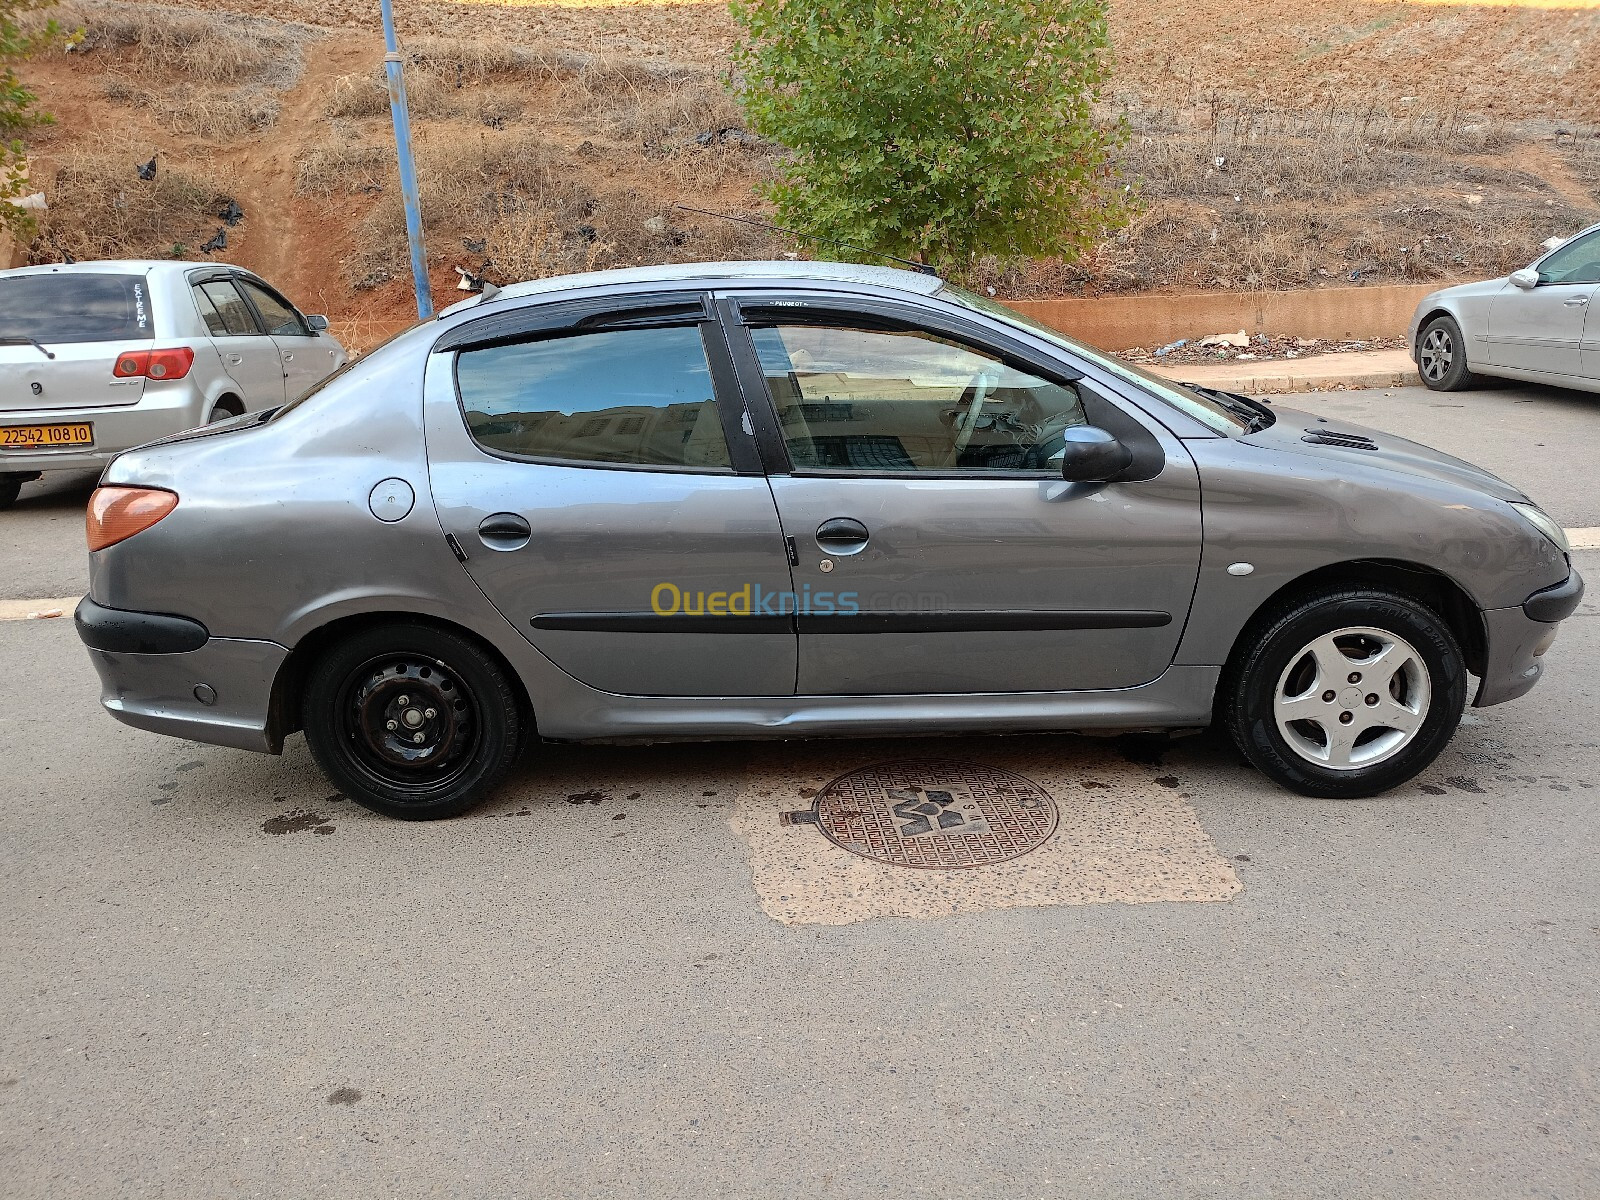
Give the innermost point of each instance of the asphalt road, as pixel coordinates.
(218, 979)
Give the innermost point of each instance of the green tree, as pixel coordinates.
(18, 106)
(937, 129)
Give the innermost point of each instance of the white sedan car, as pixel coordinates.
(98, 357)
(1539, 324)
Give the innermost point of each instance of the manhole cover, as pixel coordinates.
(935, 814)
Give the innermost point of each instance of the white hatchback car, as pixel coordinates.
(98, 357)
(1540, 324)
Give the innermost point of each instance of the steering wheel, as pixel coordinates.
(980, 385)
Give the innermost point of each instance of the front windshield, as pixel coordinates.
(1208, 412)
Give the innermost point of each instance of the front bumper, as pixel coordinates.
(1518, 637)
(218, 691)
(159, 413)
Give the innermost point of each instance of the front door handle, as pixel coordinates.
(1575, 302)
(504, 531)
(841, 535)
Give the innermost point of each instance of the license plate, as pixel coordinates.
(47, 435)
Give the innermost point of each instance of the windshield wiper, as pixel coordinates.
(24, 340)
(1255, 416)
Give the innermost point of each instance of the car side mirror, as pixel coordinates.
(1526, 279)
(1092, 455)
(316, 322)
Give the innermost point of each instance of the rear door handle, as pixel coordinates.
(1575, 302)
(841, 535)
(504, 531)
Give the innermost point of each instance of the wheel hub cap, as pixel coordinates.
(1352, 698)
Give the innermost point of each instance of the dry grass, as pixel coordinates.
(198, 76)
(522, 199)
(215, 116)
(346, 167)
(99, 208)
(199, 47)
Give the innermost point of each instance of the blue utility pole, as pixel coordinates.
(393, 67)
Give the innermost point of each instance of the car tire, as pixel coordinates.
(1442, 356)
(225, 410)
(1345, 692)
(412, 721)
(10, 489)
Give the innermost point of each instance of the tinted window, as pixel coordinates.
(1208, 412)
(215, 325)
(230, 307)
(280, 316)
(1576, 262)
(869, 400)
(75, 307)
(636, 396)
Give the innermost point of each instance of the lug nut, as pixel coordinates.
(1355, 677)
(1345, 718)
(391, 726)
(429, 713)
(407, 699)
(1327, 697)
(418, 737)
(1371, 700)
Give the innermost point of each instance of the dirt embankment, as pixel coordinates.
(1273, 145)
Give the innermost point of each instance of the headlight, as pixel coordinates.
(1545, 524)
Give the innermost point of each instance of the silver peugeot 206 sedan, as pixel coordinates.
(96, 357)
(793, 499)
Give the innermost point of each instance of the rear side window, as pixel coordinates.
(632, 397)
(76, 307)
(228, 310)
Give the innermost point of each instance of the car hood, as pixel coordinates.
(1482, 287)
(1333, 440)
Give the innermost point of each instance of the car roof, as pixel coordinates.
(126, 266)
(776, 271)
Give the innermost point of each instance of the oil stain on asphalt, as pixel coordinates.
(297, 820)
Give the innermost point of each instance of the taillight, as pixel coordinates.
(117, 513)
(154, 364)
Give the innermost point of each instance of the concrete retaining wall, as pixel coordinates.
(1122, 322)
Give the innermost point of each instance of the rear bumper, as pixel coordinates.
(1518, 638)
(219, 691)
(160, 411)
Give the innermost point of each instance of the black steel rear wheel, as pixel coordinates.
(411, 721)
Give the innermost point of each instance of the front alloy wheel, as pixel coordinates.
(1345, 692)
(1442, 356)
(1352, 698)
(411, 721)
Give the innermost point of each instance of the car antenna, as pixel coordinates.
(922, 268)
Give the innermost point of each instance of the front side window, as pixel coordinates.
(631, 397)
(279, 315)
(1576, 262)
(229, 310)
(1217, 417)
(904, 401)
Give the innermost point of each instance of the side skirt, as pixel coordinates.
(1181, 698)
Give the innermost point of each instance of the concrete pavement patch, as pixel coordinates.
(1126, 835)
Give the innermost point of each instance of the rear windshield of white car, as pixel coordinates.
(75, 307)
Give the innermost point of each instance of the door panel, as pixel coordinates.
(589, 482)
(305, 359)
(986, 579)
(249, 356)
(1540, 330)
(939, 551)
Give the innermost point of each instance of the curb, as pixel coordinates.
(1274, 385)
